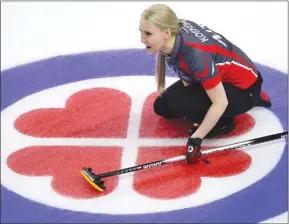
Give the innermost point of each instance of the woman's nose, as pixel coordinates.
(142, 38)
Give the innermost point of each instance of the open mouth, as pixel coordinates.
(148, 47)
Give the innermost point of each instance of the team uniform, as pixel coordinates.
(205, 58)
(203, 55)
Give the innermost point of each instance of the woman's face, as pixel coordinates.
(152, 37)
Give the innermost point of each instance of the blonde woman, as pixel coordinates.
(218, 81)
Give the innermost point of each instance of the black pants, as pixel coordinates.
(192, 102)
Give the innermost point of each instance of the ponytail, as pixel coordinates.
(161, 66)
(160, 73)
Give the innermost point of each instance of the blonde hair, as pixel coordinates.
(162, 17)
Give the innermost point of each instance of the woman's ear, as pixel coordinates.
(168, 33)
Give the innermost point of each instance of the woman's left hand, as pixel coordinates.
(193, 150)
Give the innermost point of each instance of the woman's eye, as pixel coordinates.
(148, 33)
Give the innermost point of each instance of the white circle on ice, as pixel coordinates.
(129, 201)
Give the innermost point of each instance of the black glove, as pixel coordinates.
(193, 150)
